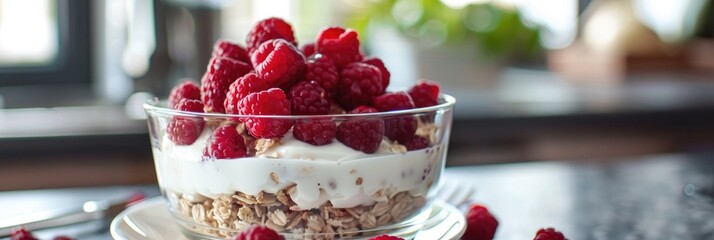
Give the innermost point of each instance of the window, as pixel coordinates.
(44, 42)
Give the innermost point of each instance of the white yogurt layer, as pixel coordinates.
(321, 173)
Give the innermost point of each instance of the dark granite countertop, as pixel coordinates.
(638, 198)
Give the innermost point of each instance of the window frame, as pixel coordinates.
(73, 61)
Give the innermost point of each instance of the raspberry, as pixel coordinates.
(481, 225)
(425, 93)
(308, 49)
(267, 29)
(220, 74)
(269, 102)
(224, 143)
(374, 61)
(227, 49)
(402, 128)
(323, 71)
(187, 89)
(258, 232)
(549, 234)
(386, 237)
(21, 234)
(393, 101)
(363, 109)
(315, 131)
(342, 45)
(361, 134)
(308, 98)
(243, 86)
(417, 143)
(62, 238)
(279, 63)
(359, 84)
(185, 130)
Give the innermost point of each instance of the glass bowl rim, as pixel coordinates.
(445, 102)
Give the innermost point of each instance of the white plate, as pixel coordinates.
(151, 219)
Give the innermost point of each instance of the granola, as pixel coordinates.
(235, 212)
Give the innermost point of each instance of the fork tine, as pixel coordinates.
(455, 193)
(447, 190)
(465, 196)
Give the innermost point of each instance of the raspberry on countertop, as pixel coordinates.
(549, 234)
(258, 232)
(481, 225)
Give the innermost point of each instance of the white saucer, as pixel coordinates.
(151, 219)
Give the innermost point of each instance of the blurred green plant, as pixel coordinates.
(497, 32)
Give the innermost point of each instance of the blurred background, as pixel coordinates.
(549, 80)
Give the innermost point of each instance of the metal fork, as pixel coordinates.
(456, 193)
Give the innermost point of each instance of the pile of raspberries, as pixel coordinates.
(271, 76)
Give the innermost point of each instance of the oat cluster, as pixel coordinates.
(235, 212)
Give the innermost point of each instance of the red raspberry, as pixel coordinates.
(220, 74)
(62, 238)
(315, 131)
(243, 86)
(227, 49)
(481, 225)
(185, 130)
(374, 61)
(363, 109)
(308, 49)
(359, 84)
(361, 134)
(187, 89)
(224, 143)
(269, 102)
(549, 234)
(386, 237)
(425, 93)
(417, 143)
(258, 232)
(393, 101)
(402, 128)
(279, 63)
(342, 45)
(21, 234)
(308, 98)
(268, 29)
(323, 71)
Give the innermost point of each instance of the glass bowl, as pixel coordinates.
(301, 190)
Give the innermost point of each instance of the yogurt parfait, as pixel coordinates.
(306, 141)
